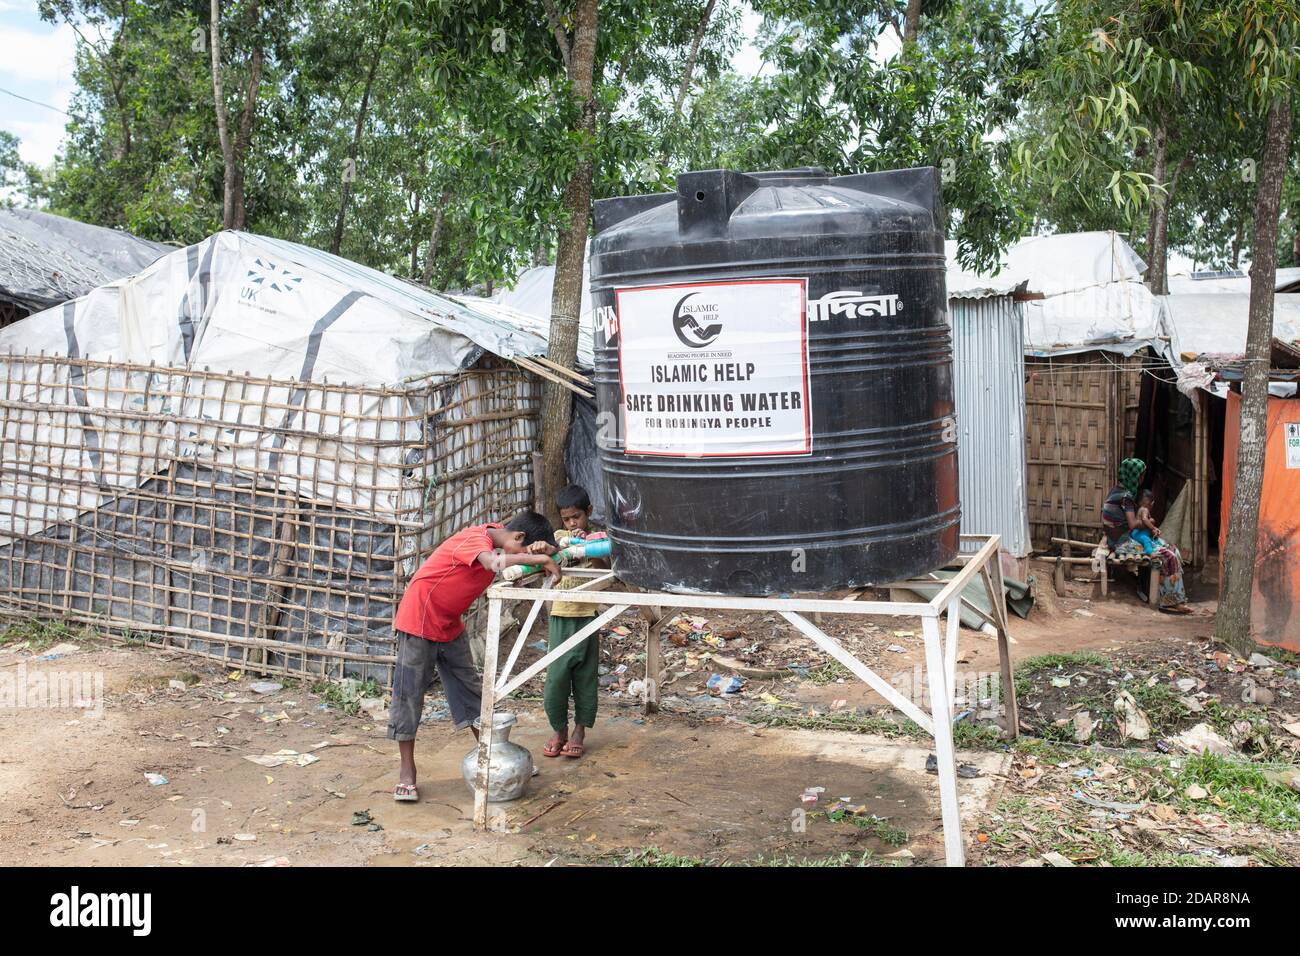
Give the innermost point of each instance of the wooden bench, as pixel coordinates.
(1133, 563)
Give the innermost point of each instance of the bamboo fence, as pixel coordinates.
(269, 524)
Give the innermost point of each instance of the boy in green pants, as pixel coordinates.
(575, 673)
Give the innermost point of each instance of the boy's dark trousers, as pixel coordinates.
(574, 674)
(417, 661)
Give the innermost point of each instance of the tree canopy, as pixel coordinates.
(386, 127)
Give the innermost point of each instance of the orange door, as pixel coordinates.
(1275, 610)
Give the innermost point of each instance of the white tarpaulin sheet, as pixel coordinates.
(531, 295)
(251, 305)
(1085, 291)
(1114, 315)
(247, 303)
(1216, 323)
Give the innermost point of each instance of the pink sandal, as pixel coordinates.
(406, 793)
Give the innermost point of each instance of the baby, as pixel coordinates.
(1147, 531)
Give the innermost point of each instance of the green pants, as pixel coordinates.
(575, 673)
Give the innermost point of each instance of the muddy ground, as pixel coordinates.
(707, 780)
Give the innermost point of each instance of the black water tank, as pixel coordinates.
(774, 360)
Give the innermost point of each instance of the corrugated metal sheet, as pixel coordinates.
(989, 379)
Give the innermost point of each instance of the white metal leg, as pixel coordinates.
(950, 650)
(486, 710)
(953, 850)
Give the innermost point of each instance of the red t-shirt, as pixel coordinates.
(445, 586)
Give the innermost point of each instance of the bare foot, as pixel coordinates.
(555, 744)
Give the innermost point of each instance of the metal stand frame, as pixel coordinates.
(940, 652)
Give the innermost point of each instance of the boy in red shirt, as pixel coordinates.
(430, 632)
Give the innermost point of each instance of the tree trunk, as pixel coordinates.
(1232, 622)
(691, 57)
(415, 234)
(246, 125)
(1158, 229)
(234, 151)
(435, 238)
(911, 21)
(223, 125)
(346, 191)
(566, 297)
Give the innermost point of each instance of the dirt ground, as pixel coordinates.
(708, 779)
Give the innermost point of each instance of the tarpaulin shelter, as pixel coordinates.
(1088, 327)
(244, 451)
(47, 259)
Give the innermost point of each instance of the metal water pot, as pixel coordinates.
(510, 767)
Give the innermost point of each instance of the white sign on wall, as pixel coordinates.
(1293, 444)
(715, 369)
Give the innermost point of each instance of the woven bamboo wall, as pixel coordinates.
(269, 524)
(1080, 421)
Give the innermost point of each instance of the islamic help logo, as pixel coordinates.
(697, 323)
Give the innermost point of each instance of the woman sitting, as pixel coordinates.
(1119, 516)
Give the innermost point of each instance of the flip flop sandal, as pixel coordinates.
(572, 750)
(406, 793)
(549, 751)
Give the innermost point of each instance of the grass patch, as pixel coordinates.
(969, 735)
(1054, 662)
(1044, 750)
(839, 859)
(1136, 858)
(347, 695)
(846, 720)
(1050, 731)
(1244, 791)
(1160, 702)
(40, 635)
(828, 672)
(653, 856)
(879, 827)
(1084, 846)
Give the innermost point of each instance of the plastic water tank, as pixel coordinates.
(774, 373)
